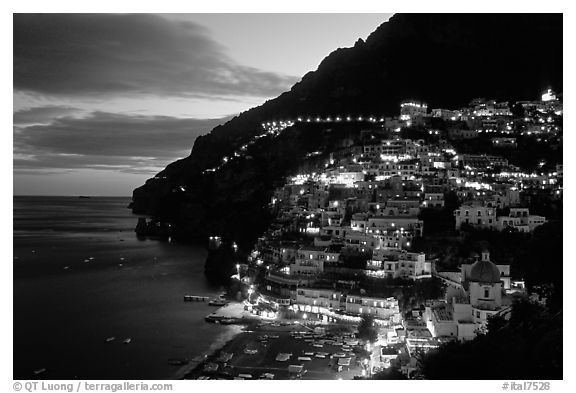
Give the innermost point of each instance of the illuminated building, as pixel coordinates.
(521, 220)
(410, 110)
(549, 95)
(469, 305)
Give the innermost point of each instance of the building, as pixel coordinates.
(462, 134)
(310, 260)
(388, 262)
(410, 110)
(482, 161)
(476, 216)
(503, 269)
(433, 199)
(446, 114)
(377, 307)
(466, 311)
(520, 219)
(329, 301)
(549, 95)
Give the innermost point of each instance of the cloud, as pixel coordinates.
(42, 114)
(125, 143)
(101, 55)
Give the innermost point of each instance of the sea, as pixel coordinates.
(81, 276)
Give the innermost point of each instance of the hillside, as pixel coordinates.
(445, 60)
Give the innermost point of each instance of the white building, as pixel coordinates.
(465, 312)
(410, 110)
(310, 260)
(327, 301)
(377, 307)
(397, 263)
(476, 216)
(521, 220)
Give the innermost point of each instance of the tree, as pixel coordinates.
(367, 329)
(527, 346)
(517, 110)
(389, 373)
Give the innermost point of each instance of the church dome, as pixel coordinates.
(485, 271)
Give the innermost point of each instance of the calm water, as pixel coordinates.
(80, 276)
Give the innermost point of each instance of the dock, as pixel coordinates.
(192, 298)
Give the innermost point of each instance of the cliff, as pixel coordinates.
(443, 59)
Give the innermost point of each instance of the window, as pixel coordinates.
(486, 293)
(479, 213)
(477, 314)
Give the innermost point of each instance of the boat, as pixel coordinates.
(228, 321)
(210, 367)
(39, 371)
(213, 318)
(110, 339)
(128, 340)
(178, 361)
(218, 302)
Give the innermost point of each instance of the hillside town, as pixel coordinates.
(341, 246)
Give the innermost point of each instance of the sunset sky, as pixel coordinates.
(102, 102)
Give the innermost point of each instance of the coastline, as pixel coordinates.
(254, 353)
(245, 322)
(215, 348)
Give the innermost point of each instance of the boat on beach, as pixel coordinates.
(218, 302)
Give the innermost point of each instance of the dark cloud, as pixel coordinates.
(101, 54)
(127, 143)
(42, 114)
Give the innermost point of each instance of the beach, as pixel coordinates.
(254, 354)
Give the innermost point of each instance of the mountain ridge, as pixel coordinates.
(442, 59)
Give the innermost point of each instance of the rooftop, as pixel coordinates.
(313, 248)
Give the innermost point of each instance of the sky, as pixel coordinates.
(104, 101)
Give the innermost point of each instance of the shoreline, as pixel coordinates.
(215, 348)
(244, 324)
(195, 366)
(267, 340)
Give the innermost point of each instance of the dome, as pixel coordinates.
(485, 271)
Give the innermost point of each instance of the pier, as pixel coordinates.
(192, 298)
